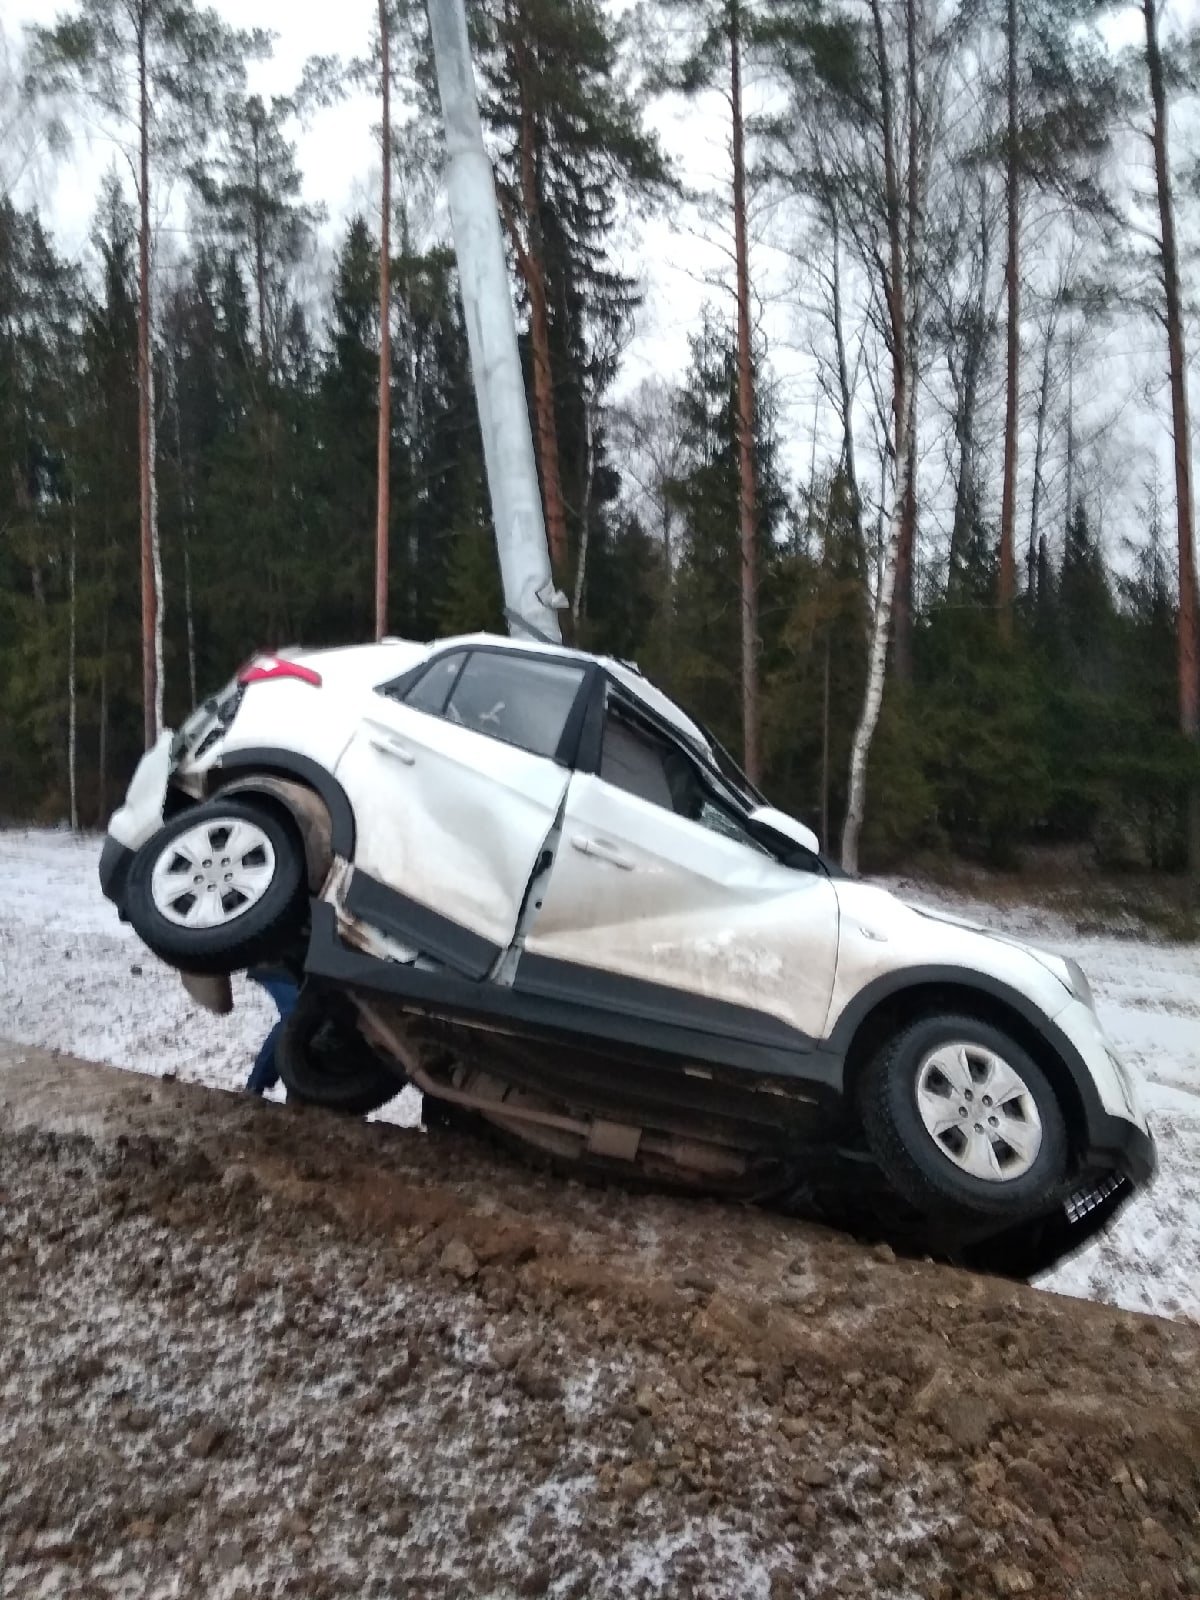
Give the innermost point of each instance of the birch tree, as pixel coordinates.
(884, 90)
(1172, 318)
(155, 72)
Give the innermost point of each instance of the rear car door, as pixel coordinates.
(660, 897)
(456, 777)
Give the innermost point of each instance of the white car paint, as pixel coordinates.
(881, 935)
(140, 817)
(647, 894)
(438, 826)
(686, 907)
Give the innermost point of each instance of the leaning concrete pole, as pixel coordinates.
(529, 592)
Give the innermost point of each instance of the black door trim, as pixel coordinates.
(562, 1016)
(418, 925)
(569, 982)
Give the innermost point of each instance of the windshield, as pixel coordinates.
(717, 756)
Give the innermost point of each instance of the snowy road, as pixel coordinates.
(72, 978)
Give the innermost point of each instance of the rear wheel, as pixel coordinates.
(959, 1116)
(219, 888)
(324, 1060)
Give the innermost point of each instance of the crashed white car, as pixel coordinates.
(522, 878)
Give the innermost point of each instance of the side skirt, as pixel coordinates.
(550, 1005)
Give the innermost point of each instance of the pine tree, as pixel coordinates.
(573, 156)
(717, 35)
(251, 192)
(707, 596)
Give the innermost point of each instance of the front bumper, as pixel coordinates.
(1118, 1145)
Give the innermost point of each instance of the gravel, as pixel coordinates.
(241, 1354)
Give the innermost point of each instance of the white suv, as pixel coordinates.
(521, 877)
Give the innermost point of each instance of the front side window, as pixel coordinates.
(654, 769)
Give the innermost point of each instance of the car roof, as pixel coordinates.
(623, 672)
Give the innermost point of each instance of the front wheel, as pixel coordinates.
(219, 888)
(960, 1117)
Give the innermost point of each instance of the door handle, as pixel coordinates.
(389, 747)
(602, 850)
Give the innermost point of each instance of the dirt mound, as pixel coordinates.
(248, 1350)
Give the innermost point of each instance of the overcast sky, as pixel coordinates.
(338, 157)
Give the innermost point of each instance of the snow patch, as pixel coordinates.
(73, 978)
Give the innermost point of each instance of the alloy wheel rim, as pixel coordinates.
(979, 1112)
(212, 874)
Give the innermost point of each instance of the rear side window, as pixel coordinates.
(432, 688)
(519, 699)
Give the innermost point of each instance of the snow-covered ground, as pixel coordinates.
(72, 978)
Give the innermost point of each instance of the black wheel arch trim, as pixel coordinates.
(290, 764)
(1110, 1141)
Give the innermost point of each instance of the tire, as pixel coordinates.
(324, 1060)
(252, 920)
(901, 1095)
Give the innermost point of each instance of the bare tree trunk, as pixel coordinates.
(967, 384)
(160, 675)
(965, 492)
(845, 393)
(189, 617)
(1189, 659)
(72, 686)
(1039, 462)
(187, 527)
(906, 223)
(383, 468)
(825, 744)
(102, 742)
(1189, 687)
(260, 251)
(1006, 582)
(151, 580)
(906, 553)
(897, 308)
(877, 664)
(747, 494)
(1070, 425)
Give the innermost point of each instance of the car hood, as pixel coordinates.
(1053, 963)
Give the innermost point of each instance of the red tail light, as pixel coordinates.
(268, 669)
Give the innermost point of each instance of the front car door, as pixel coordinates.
(456, 777)
(660, 893)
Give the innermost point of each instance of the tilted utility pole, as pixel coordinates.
(529, 592)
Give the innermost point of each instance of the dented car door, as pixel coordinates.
(657, 880)
(456, 780)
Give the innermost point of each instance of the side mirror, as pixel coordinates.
(787, 828)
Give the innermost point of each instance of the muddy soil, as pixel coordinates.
(249, 1350)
